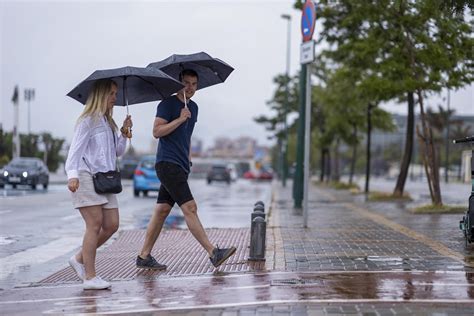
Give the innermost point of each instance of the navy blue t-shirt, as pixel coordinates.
(174, 147)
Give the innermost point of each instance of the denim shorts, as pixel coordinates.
(174, 184)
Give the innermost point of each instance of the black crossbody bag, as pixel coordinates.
(110, 181)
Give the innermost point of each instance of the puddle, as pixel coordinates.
(6, 240)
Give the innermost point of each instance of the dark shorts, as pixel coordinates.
(174, 184)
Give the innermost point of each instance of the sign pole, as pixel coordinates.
(308, 21)
(307, 145)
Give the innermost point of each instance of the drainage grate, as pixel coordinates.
(176, 248)
(297, 282)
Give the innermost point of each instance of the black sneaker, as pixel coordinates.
(221, 255)
(149, 263)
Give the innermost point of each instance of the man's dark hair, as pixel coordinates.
(188, 72)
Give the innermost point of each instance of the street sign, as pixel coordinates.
(308, 20)
(307, 52)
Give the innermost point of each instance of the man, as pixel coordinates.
(174, 124)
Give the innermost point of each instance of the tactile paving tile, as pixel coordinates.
(176, 248)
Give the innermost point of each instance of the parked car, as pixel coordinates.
(144, 177)
(218, 173)
(25, 171)
(250, 175)
(262, 174)
(127, 168)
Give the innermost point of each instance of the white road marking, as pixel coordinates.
(37, 255)
(5, 211)
(246, 287)
(442, 284)
(50, 300)
(122, 309)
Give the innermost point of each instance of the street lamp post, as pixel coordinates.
(286, 107)
(29, 96)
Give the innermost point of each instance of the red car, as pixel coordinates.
(258, 175)
(249, 175)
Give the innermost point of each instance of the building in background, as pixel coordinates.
(224, 147)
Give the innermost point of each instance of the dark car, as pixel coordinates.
(25, 171)
(218, 173)
(145, 178)
(127, 167)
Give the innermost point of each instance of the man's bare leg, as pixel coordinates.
(195, 227)
(160, 212)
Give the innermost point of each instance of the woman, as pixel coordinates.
(94, 148)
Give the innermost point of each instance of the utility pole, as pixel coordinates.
(298, 176)
(369, 137)
(29, 96)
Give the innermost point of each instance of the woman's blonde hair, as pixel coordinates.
(96, 104)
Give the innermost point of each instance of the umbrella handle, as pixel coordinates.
(125, 102)
(125, 95)
(185, 101)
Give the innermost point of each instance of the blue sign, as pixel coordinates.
(308, 20)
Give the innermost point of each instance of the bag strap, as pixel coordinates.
(115, 146)
(87, 164)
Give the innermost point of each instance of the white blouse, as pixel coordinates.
(93, 140)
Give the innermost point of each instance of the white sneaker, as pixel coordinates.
(96, 283)
(77, 267)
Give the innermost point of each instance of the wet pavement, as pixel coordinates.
(346, 234)
(39, 229)
(229, 291)
(355, 257)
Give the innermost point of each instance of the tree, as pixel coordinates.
(6, 144)
(52, 148)
(402, 49)
(274, 122)
(30, 147)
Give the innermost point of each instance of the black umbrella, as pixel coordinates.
(135, 85)
(210, 70)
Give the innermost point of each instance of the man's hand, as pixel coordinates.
(185, 114)
(73, 184)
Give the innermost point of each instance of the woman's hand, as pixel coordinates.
(73, 184)
(126, 129)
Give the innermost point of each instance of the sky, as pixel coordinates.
(51, 46)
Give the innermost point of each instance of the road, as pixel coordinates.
(40, 229)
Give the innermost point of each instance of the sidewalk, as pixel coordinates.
(346, 233)
(354, 258)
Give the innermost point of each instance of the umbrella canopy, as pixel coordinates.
(135, 85)
(210, 70)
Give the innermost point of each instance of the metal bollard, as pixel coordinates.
(258, 211)
(259, 203)
(257, 239)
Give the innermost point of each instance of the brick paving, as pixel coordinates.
(381, 309)
(337, 238)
